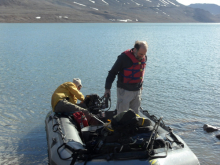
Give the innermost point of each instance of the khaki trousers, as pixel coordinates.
(128, 99)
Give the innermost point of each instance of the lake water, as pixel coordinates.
(182, 80)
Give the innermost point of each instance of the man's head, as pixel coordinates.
(140, 49)
(78, 83)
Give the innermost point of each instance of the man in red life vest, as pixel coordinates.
(130, 68)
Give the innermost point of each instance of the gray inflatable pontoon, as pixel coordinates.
(92, 145)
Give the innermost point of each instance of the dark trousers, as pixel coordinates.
(63, 106)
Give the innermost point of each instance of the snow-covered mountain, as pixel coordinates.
(101, 11)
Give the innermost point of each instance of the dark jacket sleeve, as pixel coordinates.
(122, 62)
(113, 72)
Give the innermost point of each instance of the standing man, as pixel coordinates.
(130, 68)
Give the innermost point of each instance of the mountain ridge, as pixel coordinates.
(157, 11)
(212, 8)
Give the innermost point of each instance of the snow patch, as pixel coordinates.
(104, 2)
(94, 8)
(173, 3)
(121, 20)
(79, 4)
(112, 20)
(136, 3)
(92, 1)
(38, 17)
(164, 2)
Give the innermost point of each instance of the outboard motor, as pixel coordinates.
(93, 103)
(99, 106)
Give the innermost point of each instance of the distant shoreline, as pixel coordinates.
(45, 11)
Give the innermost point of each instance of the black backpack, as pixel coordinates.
(125, 121)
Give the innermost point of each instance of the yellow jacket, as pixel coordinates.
(67, 89)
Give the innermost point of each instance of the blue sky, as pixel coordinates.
(188, 2)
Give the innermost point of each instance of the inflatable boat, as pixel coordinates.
(143, 139)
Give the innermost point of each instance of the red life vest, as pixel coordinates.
(135, 73)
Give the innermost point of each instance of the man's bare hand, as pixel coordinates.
(107, 91)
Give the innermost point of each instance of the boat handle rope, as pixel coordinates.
(58, 130)
(163, 156)
(73, 156)
(57, 124)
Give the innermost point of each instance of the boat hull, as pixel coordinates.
(62, 130)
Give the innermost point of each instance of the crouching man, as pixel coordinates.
(65, 97)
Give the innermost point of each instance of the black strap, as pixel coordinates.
(64, 144)
(74, 157)
(152, 153)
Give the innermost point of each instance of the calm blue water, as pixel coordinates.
(182, 80)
